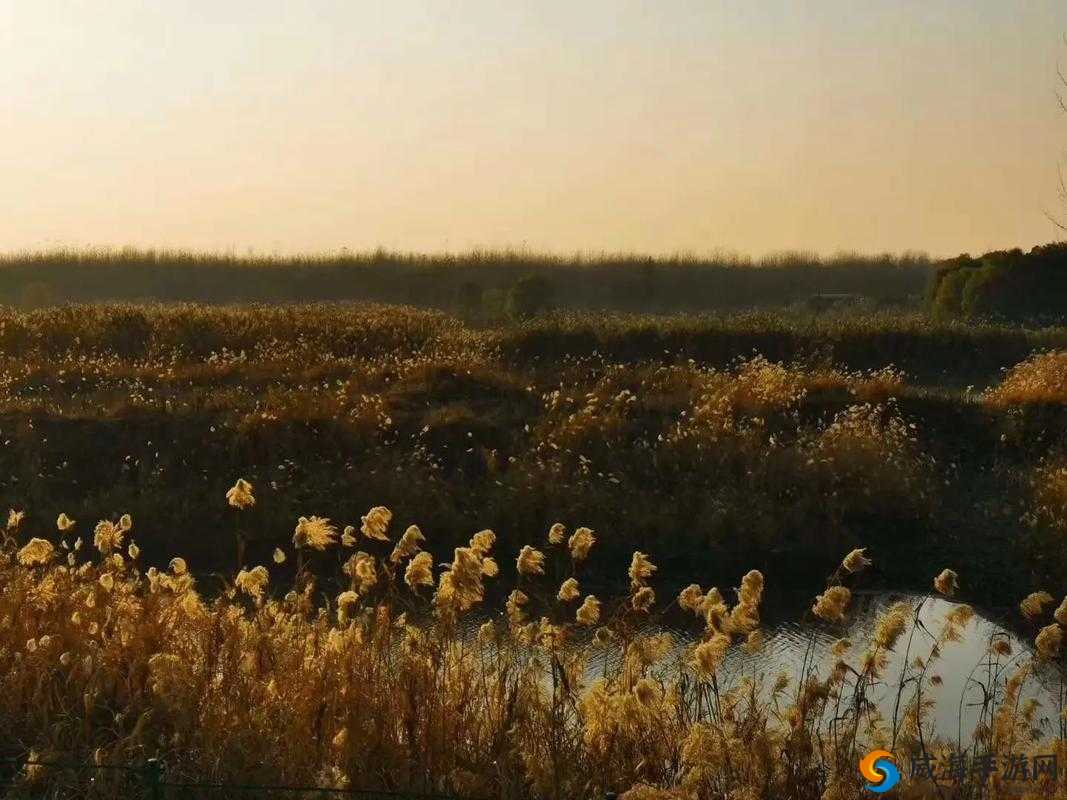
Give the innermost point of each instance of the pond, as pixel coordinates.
(962, 668)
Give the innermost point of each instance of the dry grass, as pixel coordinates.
(350, 660)
(1042, 378)
(744, 434)
(380, 684)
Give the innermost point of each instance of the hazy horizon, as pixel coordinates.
(419, 126)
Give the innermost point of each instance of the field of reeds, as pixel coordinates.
(719, 442)
(272, 629)
(363, 673)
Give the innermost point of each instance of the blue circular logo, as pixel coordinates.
(880, 770)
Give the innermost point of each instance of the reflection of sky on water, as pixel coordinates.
(961, 663)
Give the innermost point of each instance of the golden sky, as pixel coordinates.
(656, 126)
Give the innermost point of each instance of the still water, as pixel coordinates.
(962, 666)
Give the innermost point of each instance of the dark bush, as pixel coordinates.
(531, 296)
(1008, 284)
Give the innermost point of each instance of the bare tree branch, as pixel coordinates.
(1062, 100)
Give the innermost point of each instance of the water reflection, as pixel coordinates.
(962, 667)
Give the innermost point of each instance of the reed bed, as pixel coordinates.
(366, 672)
(517, 664)
(758, 437)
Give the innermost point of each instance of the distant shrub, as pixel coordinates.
(1006, 284)
(531, 296)
(948, 290)
(470, 298)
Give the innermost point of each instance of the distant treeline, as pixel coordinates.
(476, 283)
(1007, 284)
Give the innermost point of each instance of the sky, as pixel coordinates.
(665, 126)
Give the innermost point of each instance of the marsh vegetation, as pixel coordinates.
(390, 649)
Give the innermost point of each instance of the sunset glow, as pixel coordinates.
(426, 125)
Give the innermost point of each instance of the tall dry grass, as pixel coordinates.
(384, 682)
(765, 436)
(1042, 378)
